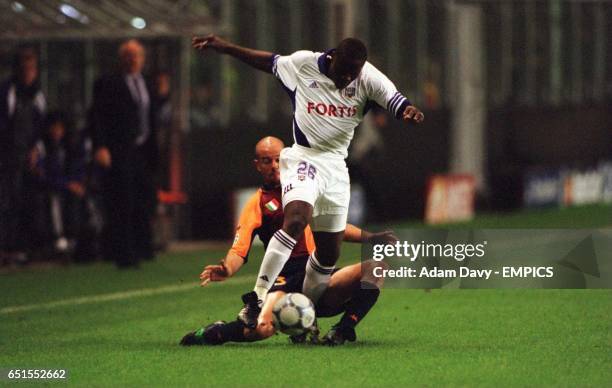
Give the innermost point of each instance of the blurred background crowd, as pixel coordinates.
(115, 137)
(81, 192)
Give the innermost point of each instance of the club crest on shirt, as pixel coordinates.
(349, 91)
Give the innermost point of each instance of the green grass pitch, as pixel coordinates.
(121, 328)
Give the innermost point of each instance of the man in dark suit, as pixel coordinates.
(22, 110)
(125, 142)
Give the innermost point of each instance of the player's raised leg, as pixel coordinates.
(297, 216)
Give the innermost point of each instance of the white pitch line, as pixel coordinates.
(115, 296)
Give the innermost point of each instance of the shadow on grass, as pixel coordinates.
(169, 343)
(271, 344)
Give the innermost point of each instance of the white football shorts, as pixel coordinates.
(319, 178)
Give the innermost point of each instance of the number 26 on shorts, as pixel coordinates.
(305, 169)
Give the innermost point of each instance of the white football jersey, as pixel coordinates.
(324, 117)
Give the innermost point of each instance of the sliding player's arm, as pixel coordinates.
(220, 272)
(357, 235)
(250, 220)
(261, 60)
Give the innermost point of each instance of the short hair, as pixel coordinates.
(353, 49)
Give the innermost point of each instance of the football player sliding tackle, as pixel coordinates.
(330, 92)
(352, 290)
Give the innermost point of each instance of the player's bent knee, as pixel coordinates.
(370, 268)
(294, 225)
(265, 330)
(297, 215)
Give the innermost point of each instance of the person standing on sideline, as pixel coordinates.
(22, 110)
(125, 145)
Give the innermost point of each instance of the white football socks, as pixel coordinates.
(278, 252)
(317, 278)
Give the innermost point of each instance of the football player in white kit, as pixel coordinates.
(330, 92)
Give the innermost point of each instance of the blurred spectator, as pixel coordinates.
(62, 172)
(204, 113)
(365, 151)
(123, 128)
(431, 91)
(91, 219)
(22, 107)
(162, 94)
(168, 139)
(163, 121)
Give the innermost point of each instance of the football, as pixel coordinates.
(293, 314)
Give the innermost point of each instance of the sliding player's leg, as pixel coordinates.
(221, 332)
(352, 290)
(265, 322)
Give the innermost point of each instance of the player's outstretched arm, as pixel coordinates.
(261, 60)
(357, 235)
(222, 271)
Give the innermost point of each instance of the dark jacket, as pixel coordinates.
(115, 119)
(14, 143)
(61, 163)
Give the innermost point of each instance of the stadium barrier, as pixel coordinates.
(568, 186)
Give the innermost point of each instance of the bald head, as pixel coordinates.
(132, 56)
(267, 156)
(268, 144)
